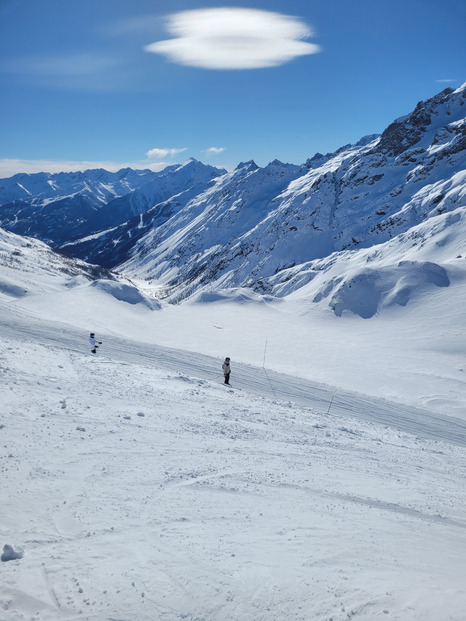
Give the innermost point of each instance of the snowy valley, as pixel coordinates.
(328, 482)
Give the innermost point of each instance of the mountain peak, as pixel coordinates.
(278, 163)
(406, 131)
(251, 165)
(194, 165)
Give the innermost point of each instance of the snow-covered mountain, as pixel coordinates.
(125, 220)
(30, 268)
(97, 184)
(48, 206)
(255, 225)
(366, 281)
(358, 230)
(57, 208)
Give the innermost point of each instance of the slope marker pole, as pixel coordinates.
(266, 374)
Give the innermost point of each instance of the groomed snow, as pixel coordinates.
(328, 483)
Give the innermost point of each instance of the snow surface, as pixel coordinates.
(328, 483)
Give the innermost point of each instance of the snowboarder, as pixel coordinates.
(93, 343)
(226, 370)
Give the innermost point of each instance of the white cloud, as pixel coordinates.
(10, 167)
(446, 81)
(214, 150)
(234, 38)
(164, 152)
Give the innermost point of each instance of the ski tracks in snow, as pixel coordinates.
(269, 384)
(148, 491)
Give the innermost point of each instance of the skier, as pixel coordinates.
(226, 370)
(93, 343)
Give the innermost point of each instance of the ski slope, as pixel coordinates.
(138, 487)
(254, 380)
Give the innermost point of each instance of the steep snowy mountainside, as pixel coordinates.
(194, 228)
(432, 115)
(57, 208)
(361, 196)
(28, 267)
(192, 175)
(209, 224)
(366, 281)
(123, 221)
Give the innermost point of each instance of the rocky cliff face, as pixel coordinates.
(404, 133)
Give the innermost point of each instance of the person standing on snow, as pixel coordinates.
(226, 370)
(93, 343)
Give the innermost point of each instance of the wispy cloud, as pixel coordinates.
(234, 38)
(144, 24)
(79, 71)
(446, 81)
(164, 152)
(85, 63)
(10, 167)
(213, 150)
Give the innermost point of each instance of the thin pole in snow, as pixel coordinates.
(330, 404)
(266, 374)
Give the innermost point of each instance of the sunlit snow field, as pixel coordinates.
(328, 483)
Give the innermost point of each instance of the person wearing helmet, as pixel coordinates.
(93, 343)
(226, 370)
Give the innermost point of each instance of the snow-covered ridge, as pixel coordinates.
(194, 228)
(53, 185)
(29, 267)
(25, 262)
(245, 231)
(58, 208)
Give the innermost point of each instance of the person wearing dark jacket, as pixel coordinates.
(226, 370)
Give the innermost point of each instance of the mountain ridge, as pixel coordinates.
(60, 207)
(194, 228)
(359, 197)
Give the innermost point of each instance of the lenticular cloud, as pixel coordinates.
(233, 38)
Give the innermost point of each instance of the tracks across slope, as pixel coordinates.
(16, 324)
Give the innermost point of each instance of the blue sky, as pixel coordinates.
(111, 83)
